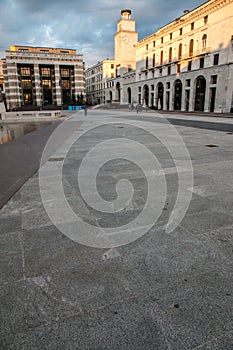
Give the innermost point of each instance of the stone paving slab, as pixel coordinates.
(165, 291)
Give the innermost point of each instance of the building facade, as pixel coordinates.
(186, 65)
(41, 76)
(96, 81)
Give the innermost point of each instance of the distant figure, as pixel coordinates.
(85, 110)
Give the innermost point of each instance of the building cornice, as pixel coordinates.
(195, 14)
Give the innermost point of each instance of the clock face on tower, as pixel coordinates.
(125, 39)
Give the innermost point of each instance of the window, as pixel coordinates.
(65, 72)
(66, 84)
(170, 54)
(153, 43)
(170, 36)
(112, 75)
(147, 47)
(45, 72)
(188, 83)
(204, 41)
(202, 60)
(160, 71)
(25, 71)
(152, 87)
(192, 26)
(46, 84)
(189, 65)
(205, 19)
(26, 84)
(153, 60)
(168, 85)
(180, 52)
(181, 31)
(178, 68)
(162, 40)
(213, 79)
(191, 43)
(139, 89)
(216, 59)
(169, 70)
(62, 51)
(161, 57)
(146, 62)
(112, 66)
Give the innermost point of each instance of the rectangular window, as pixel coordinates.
(168, 85)
(112, 66)
(153, 43)
(169, 70)
(66, 84)
(160, 71)
(178, 68)
(205, 19)
(181, 31)
(170, 36)
(216, 59)
(202, 61)
(147, 47)
(188, 83)
(26, 84)
(25, 71)
(46, 84)
(213, 79)
(192, 26)
(45, 72)
(65, 72)
(139, 89)
(189, 65)
(152, 87)
(162, 40)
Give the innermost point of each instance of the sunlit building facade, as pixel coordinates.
(187, 65)
(96, 81)
(41, 76)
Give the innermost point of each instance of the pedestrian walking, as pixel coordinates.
(85, 110)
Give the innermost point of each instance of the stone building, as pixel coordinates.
(96, 81)
(186, 65)
(41, 76)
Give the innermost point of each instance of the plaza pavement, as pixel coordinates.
(164, 290)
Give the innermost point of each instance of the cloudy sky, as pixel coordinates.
(85, 25)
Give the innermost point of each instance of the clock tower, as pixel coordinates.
(125, 40)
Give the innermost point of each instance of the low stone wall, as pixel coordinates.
(30, 114)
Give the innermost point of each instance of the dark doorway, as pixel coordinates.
(129, 95)
(118, 91)
(167, 99)
(212, 98)
(110, 95)
(160, 95)
(47, 93)
(146, 94)
(178, 95)
(200, 94)
(187, 98)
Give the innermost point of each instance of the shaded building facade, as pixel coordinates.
(41, 76)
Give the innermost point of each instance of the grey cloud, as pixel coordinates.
(87, 26)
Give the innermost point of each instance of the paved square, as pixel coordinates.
(162, 290)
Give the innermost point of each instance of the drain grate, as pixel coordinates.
(56, 159)
(211, 145)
